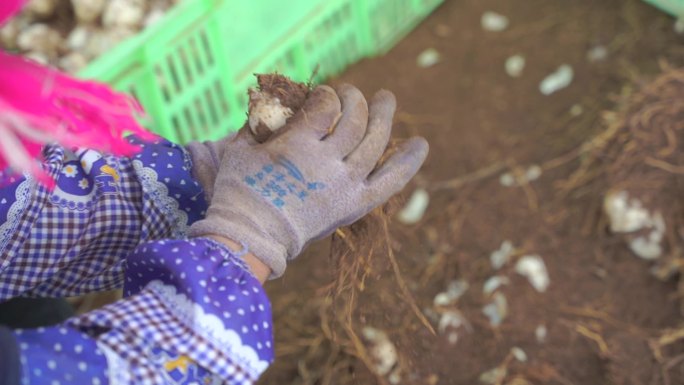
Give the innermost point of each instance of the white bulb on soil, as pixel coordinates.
(497, 310)
(495, 22)
(268, 111)
(499, 258)
(515, 65)
(625, 215)
(494, 283)
(533, 268)
(414, 210)
(628, 216)
(558, 80)
(381, 349)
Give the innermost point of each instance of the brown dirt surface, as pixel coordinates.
(608, 319)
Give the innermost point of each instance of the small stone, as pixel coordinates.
(495, 22)
(558, 80)
(515, 65)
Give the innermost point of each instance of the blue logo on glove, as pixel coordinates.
(280, 181)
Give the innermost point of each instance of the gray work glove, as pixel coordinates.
(304, 182)
(206, 159)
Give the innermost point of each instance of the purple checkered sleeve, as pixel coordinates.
(73, 240)
(194, 314)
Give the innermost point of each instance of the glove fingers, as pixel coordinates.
(401, 166)
(351, 127)
(364, 158)
(317, 118)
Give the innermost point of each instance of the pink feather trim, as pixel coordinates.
(9, 8)
(39, 105)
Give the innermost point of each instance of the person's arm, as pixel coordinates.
(193, 309)
(73, 239)
(193, 313)
(206, 158)
(260, 270)
(318, 173)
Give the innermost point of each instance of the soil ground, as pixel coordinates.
(603, 308)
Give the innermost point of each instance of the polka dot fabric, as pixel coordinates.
(60, 356)
(72, 240)
(194, 300)
(172, 167)
(203, 320)
(209, 275)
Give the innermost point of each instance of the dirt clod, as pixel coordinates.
(276, 99)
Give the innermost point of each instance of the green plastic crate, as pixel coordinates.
(191, 70)
(673, 7)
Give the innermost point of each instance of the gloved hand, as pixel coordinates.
(206, 159)
(317, 173)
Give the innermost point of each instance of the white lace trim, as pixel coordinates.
(118, 368)
(160, 194)
(210, 327)
(23, 196)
